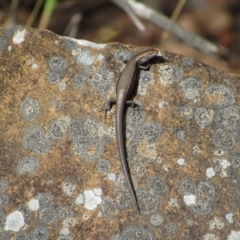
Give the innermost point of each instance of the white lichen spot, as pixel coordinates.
(112, 177)
(56, 42)
(189, 199)
(34, 66)
(210, 172)
(10, 48)
(165, 168)
(33, 205)
(97, 191)
(162, 104)
(181, 161)
(14, 221)
(156, 219)
(100, 57)
(62, 85)
(216, 223)
(79, 200)
(68, 188)
(173, 202)
(69, 222)
(229, 217)
(210, 236)
(85, 59)
(234, 235)
(91, 200)
(19, 36)
(90, 44)
(225, 163)
(159, 160)
(64, 231)
(76, 52)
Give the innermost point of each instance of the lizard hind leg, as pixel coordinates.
(135, 106)
(108, 107)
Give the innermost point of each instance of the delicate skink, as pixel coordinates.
(124, 89)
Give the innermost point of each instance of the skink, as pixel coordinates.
(124, 89)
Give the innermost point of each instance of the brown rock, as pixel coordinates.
(58, 156)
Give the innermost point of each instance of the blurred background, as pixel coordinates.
(206, 30)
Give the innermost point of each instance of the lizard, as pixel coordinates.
(124, 89)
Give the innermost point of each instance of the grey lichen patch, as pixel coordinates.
(3, 199)
(144, 79)
(64, 212)
(2, 219)
(192, 88)
(139, 169)
(87, 149)
(222, 95)
(204, 116)
(171, 229)
(29, 109)
(35, 139)
(86, 135)
(57, 64)
(196, 150)
(187, 111)
(181, 134)
(69, 185)
(210, 236)
(234, 160)
(187, 61)
(70, 43)
(5, 235)
(121, 184)
(40, 232)
(188, 187)
(3, 185)
(46, 200)
(135, 233)
(123, 199)
(157, 184)
(156, 219)
(104, 165)
(228, 118)
(54, 77)
(224, 139)
(199, 199)
(103, 80)
(170, 74)
(3, 42)
(28, 165)
(80, 79)
(27, 213)
(216, 223)
(108, 208)
(23, 235)
(85, 58)
(135, 116)
(48, 215)
(59, 127)
(152, 131)
(148, 201)
(62, 237)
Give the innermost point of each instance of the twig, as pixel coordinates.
(174, 16)
(127, 8)
(163, 22)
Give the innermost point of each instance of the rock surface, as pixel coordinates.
(60, 175)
